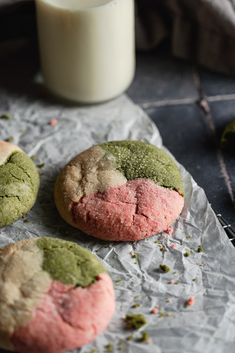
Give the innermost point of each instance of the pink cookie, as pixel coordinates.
(120, 191)
(55, 296)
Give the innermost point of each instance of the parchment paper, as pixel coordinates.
(208, 326)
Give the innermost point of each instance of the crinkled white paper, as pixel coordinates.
(206, 327)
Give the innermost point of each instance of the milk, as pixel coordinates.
(87, 47)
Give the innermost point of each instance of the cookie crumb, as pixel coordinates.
(164, 268)
(9, 139)
(187, 253)
(129, 338)
(200, 249)
(134, 321)
(108, 348)
(154, 310)
(144, 338)
(190, 301)
(6, 116)
(40, 165)
(173, 246)
(53, 122)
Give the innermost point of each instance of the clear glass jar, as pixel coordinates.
(87, 47)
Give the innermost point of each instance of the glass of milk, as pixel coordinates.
(87, 47)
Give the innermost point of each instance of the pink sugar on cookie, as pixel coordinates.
(133, 211)
(120, 191)
(67, 318)
(55, 296)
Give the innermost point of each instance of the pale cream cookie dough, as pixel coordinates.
(19, 183)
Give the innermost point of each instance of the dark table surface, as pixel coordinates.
(190, 106)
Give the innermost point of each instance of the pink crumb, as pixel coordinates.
(173, 246)
(53, 122)
(190, 301)
(154, 310)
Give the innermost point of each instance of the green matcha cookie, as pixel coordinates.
(19, 183)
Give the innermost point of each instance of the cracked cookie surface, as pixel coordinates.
(19, 183)
(94, 190)
(52, 286)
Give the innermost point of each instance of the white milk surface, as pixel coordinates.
(87, 47)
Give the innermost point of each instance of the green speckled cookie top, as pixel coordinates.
(69, 263)
(136, 159)
(19, 182)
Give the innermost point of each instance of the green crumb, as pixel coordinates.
(129, 338)
(108, 348)
(134, 321)
(200, 249)
(137, 159)
(161, 246)
(187, 253)
(228, 136)
(40, 165)
(163, 314)
(34, 157)
(164, 268)
(121, 345)
(135, 305)
(144, 338)
(117, 281)
(9, 139)
(6, 116)
(69, 263)
(134, 255)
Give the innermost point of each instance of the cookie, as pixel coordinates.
(54, 296)
(120, 191)
(19, 183)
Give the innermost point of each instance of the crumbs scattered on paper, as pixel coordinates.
(164, 268)
(190, 301)
(53, 122)
(134, 321)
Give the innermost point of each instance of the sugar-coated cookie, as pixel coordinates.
(120, 191)
(19, 183)
(54, 296)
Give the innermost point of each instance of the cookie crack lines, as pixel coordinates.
(24, 170)
(40, 311)
(19, 181)
(121, 180)
(73, 263)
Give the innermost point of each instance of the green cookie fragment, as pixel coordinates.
(19, 183)
(135, 321)
(164, 268)
(228, 136)
(136, 159)
(69, 263)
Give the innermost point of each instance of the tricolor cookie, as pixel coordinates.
(121, 191)
(19, 183)
(54, 296)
